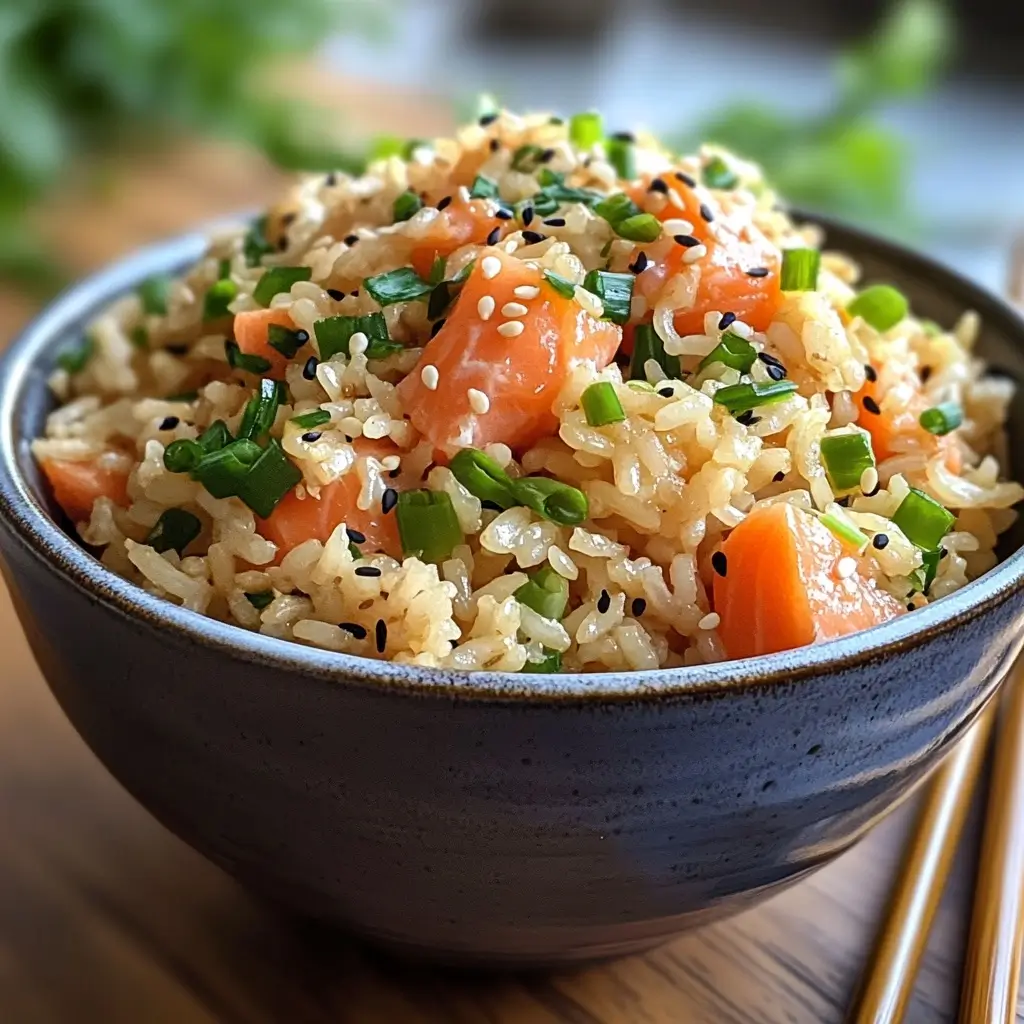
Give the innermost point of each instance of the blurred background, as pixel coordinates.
(125, 120)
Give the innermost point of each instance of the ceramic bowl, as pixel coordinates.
(494, 818)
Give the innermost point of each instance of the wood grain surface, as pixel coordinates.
(105, 918)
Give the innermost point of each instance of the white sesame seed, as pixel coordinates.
(511, 245)
(501, 453)
(478, 401)
(511, 309)
(869, 480)
(490, 267)
(485, 307)
(430, 377)
(694, 253)
(845, 568)
(511, 328)
(526, 291)
(589, 301)
(463, 194)
(740, 329)
(676, 199)
(358, 343)
(390, 462)
(677, 226)
(710, 621)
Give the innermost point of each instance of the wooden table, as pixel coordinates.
(105, 918)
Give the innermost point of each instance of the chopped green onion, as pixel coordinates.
(427, 524)
(546, 593)
(615, 292)
(483, 188)
(931, 328)
(562, 285)
(483, 477)
(923, 520)
(406, 205)
(215, 437)
(942, 418)
(641, 385)
(586, 130)
(644, 227)
(558, 502)
(261, 600)
(222, 472)
(621, 154)
(845, 531)
(846, 456)
(740, 398)
(334, 335)
(526, 158)
(617, 208)
(930, 565)
(647, 345)
(732, 351)
(314, 418)
(75, 360)
(277, 280)
(175, 529)
(218, 297)
(548, 178)
(436, 275)
(140, 337)
(402, 285)
(385, 146)
(601, 404)
(153, 294)
(224, 269)
(881, 305)
(261, 410)
(554, 192)
(239, 360)
(268, 480)
(552, 662)
(718, 174)
(800, 270)
(183, 456)
(255, 245)
(285, 340)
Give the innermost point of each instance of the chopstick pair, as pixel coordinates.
(992, 966)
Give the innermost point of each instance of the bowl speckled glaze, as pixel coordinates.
(496, 818)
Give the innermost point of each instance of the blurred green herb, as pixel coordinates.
(86, 78)
(842, 160)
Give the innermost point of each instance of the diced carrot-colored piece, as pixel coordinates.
(518, 375)
(456, 225)
(77, 485)
(782, 588)
(251, 333)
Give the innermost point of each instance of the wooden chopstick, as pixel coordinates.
(889, 979)
(992, 968)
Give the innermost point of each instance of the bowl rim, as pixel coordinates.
(27, 522)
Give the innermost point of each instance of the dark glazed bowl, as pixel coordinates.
(496, 818)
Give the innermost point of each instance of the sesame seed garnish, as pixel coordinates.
(926, 372)
(478, 402)
(747, 418)
(720, 563)
(639, 265)
(547, 156)
(380, 635)
(728, 319)
(312, 436)
(604, 602)
(688, 241)
(533, 237)
(495, 145)
(392, 473)
(880, 541)
(485, 307)
(845, 568)
(710, 621)
(169, 423)
(436, 326)
(388, 500)
(282, 243)
(658, 185)
(943, 552)
(686, 179)
(869, 480)
(430, 377)
(331, 180)
(447, 201)
(490, 267)
(871, 405)
(555, 222)
(351, 239)
(638, 607)
(698, 252)
(705, 212)
(503, 214)
(911, 607)
(494, 237)
(359, 632)
(355, 535)
(758, 272)
(769, 360)
(511, 309)
(358, 343)
(309, 370)
(368, 570)
(779, 477)
(667, 392)
(354, 293)
(869, 373)
(487, 119)
(336, 293)
(526, 291)
(511, 329)
(527, 216)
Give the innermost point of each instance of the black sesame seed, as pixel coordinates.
(624, 137)
(351, 239)
(288, 218)
(658, 185)
(309, 370)
(667, 392)
(349, 439)
(169, 423)
(394, 472)
(769, 360)
(302, 337)
(604, 602)
(331, 180)
(355, 536)
(720, 563)
(494, 237)
(367, 570)
(336, 293)
(312, 436)
(844, 501)
(926, 372)
(748, 419)
(436, 326)
(389, 500)
(638, 607)
(359, 632)
(777, 372)
(527, 216)
(354, 292)
(870, 405)
(911, 607)
(639, 265)
(705, 212)
(547, 156)
(728, 319)
(686, 179)
(880, 541)
(533, 237)
(504, 214)
(487, 119)
(686, 240)
(758, 272)
(176, 350)
(282, 244)
(942, 553)
(380, 634)
(869, 373)
(555, 222)
(779, 477)
(495, 145)
(443, 203)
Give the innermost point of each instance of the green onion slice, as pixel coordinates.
(183, 456)
(526, 158)
(334, 335)
(800, 270)
(601, 404)
(546, 593)
(401, 285)
(558, 502)
(942, 418)
(217, 299)
(260, 600)
(647, 345)
(214, 437)
(268, 480)
(239, 360)
(75, 360)
(175, 529)
(586, 129)
(740, 398)
(483, 188)
(483, 477)
(718, 174)
(644, 227)
(930, 565)
(311, 419)
(552, 662)
(732, 351)
(617, 208)
(615, 292)
(140, 337)
(261, 410)
(621, 155)
(845, 457)
(255, 245)
(562, 285)
(923, 520)
(221, 472)
(406, 205)
(153, 294)
(385, 146)
(285, 340)
(427, 524)
(277, 280)
(881, 305)
(845, 531)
